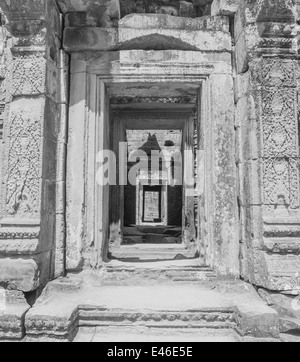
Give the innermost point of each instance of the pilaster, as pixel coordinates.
(29, 205)
(267, 122)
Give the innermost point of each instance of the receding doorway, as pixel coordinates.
(154, 225)
(152, 204)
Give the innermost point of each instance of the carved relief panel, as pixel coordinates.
(2, 99)
(29, 74)
(279, 125)
(24, 136)
(23, 157)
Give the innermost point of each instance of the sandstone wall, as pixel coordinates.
(32, 211)
(265, 35)
(267, 139)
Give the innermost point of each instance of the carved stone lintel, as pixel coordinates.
(177, 100)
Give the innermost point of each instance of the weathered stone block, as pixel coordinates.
(285, 305)
(52, 120)
(49, 154)
(157, 32)
(13, 308)
(79, 19)
(243, 18)
(53, 81)
(242, 113)
(283, 271)
(252, 225)
(49, 199)
(289, 325)
(187, 9)
(246, 38)
(78, 39)
(19, 274)
(242, 85)
(53, 18)
(108, 11)
(224, 7)
(253, 183)
(241, 52)
(158, 21)
(257, 320)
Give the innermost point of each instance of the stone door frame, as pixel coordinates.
(181, 118)
(140, 201)
(89, 120)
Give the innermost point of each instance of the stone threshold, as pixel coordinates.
(70, 305)
(81, 308)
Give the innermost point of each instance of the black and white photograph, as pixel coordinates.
(150, 174)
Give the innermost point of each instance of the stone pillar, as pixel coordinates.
(188, 222)
(118, 134)
(5, 59)
(29, 207)
(102, 191)
(221, 176)
(268, 151)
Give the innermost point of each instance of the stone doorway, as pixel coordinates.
(137, 86)
(155, 226)
(153, 209)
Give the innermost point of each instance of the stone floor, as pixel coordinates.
(152, 243)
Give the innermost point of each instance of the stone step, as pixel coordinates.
(178, 271)
(161, 335)
(158, 230)
(91, 316)
(151, 252)
(152, 239)
(161, 311)
(144, 230)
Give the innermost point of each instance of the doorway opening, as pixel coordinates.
(167, 90)
(158, 217)
(152, 204)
